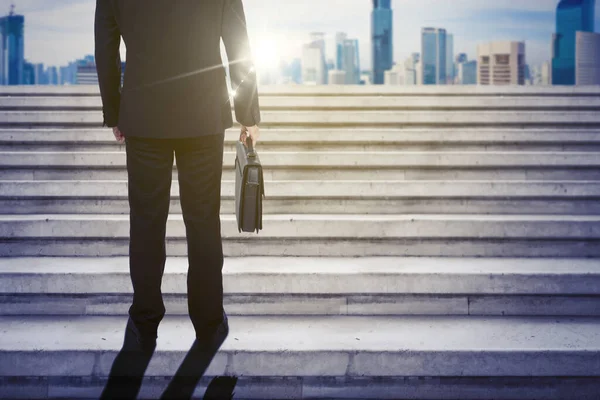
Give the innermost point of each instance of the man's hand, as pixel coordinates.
(118, 135)
(253, 132)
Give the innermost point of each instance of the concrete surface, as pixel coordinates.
(324, 189)
(320, 159)
(112, 227)
(310, 275)
(317, 346)
(336, 136)
(314, 286)
(332, 205)
(343, 118)
(429, 173)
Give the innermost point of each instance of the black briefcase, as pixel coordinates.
(249, 188)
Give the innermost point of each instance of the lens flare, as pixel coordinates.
(266, 54)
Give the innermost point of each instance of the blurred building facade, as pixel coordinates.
(87, 73)
(546, 73)
(450, 73)
(587, 58)
(572, 16)
(394, 76)
(382, 39)
(459, 59)
(337, 77)
(314, 66)
(467, 73)
(340, 37)
(433, 56)
(410, 69)
(12, 49)
(351, 61)
(501, 63)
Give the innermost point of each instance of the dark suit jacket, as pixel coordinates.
(175, 81)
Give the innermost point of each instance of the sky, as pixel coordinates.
(60, 31)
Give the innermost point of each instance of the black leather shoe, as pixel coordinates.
(135, 340)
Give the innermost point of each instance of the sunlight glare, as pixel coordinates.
(266, 55)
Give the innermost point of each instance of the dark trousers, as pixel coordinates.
(150, 166)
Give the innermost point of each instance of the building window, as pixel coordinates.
(502, 59)
(485, 60)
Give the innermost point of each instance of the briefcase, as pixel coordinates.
(249, 188)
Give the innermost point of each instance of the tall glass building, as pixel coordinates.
(450, 73)
(339, 50)
(433, 56)
(351, 61)
(12, 49)
(381, 32)
(572, 16)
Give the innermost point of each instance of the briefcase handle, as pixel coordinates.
(251, 152)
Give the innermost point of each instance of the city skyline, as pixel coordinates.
(59, 33)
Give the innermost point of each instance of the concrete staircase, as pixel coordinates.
(422, 243)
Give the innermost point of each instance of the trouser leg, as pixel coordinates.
(200, 165)
(149, 169)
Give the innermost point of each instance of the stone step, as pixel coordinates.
(452, 235)
(464, 139)
(342, 118)
(313, 197)
(325, 189)
(302, 147)
(340, 102)
(359, 136)
(574, 206)
(322, 226)
(368, 357)
(430, 173)
(322, 159)
(315, 286)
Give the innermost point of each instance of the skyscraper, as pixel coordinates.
(546, 73)
(339, 49)
(314, 67)
(461, 58)
(450, 73)
(87, 73)
(501, 63)
(351, 61)
(467, 73)
(296, 70)
(12, 49)
(410, 69)
(68, 74)
(382, 43)
(40, 74)
(587, 59)
(28, 74)
(53, 75)
(433, 56)
(572, 16)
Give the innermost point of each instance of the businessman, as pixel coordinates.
(175, 106)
